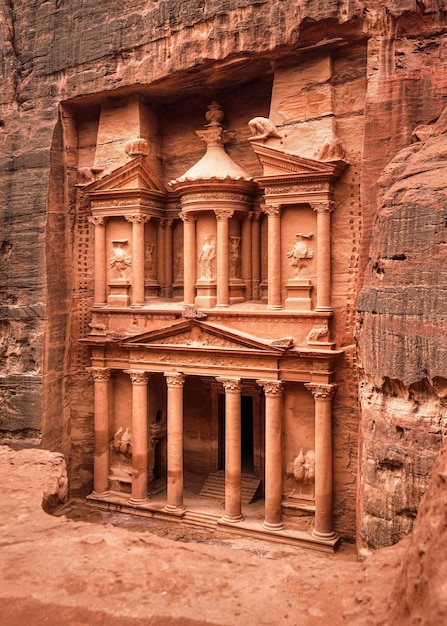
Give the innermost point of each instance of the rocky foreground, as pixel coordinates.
(55, 570)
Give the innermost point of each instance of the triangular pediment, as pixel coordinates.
(135, 175)
(195, 334)
(281, 162)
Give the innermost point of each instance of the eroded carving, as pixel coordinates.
(300, 253)
(262, 128)
(234, 258)
(207, 258)
(120, 261)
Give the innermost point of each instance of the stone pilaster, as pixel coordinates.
(273, 212)
(139, 436)
(323, 210)
(175, 382)
(161, 254)
(256, 254)
(233, 511)
(246, 244)
(100, 295)
(101, 378)
(189, 256)
(222, 288)
(323, 459)
(138, 221)
(273, 391)
(167, 290)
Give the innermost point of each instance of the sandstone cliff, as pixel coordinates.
(55, 52)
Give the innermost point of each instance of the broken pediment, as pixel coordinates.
(136, 175)
(195, 334)
(277, 162)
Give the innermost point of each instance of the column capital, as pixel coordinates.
(256, 216)
(174, 379)
(223, 214)
(272, 210)
(325, 206)
(137, 218)
(321, 391)
(231, 385)
(97, 220)
(138, 377)
(99, 373)
(187, 217)
(272, 388)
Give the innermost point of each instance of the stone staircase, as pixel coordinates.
(214, 487)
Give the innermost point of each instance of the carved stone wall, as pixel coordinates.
(62, 60)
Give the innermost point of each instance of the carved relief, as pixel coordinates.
(319, 333)
(148, 256)
(301, 473)
(234, 258)
(300, 253)
(207, 256)
(120, 261)
(262, 128)
(122, 441)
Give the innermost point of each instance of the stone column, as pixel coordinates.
(222, 278)
(189, 256)
(256, 255)
(323, 210)
(323, 459)
(161, 255)
(138, 221)
(274, 255)
(168, 259)
(139, 436)
(101, 377)
(273, 390)
(100, 296)
(175, 382)
(232, 386)
(246, 256)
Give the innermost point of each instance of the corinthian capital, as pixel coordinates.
(320, 391)
(138, 377)
(271, 388)
(174, 379)
(271, 210)
(223, 214)
(97, 220)
(138, 218)
(230, 384)
(187, 217)
(326, 206)
(99, 373)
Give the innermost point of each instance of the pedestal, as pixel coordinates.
(237, 290)
(298, 294)
(206, 294)
(119, 293)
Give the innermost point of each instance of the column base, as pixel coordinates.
(100, 494)
(137, 501)
(274, 307)
(175, 509)
(137, 305)
(326, 309)
(99, 305)
(319, 535)
(232, 519)
(272, 526)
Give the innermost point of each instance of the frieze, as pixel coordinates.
(197, 197)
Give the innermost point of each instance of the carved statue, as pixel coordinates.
(304, 467)
(234, 257)
(300, 252)
(120, 261)
(206, 258)
(122, 441)
(214, 115)
(149, 256)
(87, 175)
(319, 333)
(262, 128)
(333, 150)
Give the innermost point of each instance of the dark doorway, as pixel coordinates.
(247, 435)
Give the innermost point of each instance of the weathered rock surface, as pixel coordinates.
(402, 341)
(421, 584)
(57, 570)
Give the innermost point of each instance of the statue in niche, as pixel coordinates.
(206, 259)
(302, 470)
(262, 128)
(300, 252)
(148, 256)
(234, 259)
(178, 266)
(120, 262)
(121, 454)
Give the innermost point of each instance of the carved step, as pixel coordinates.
(214, 487)
(201, 520)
